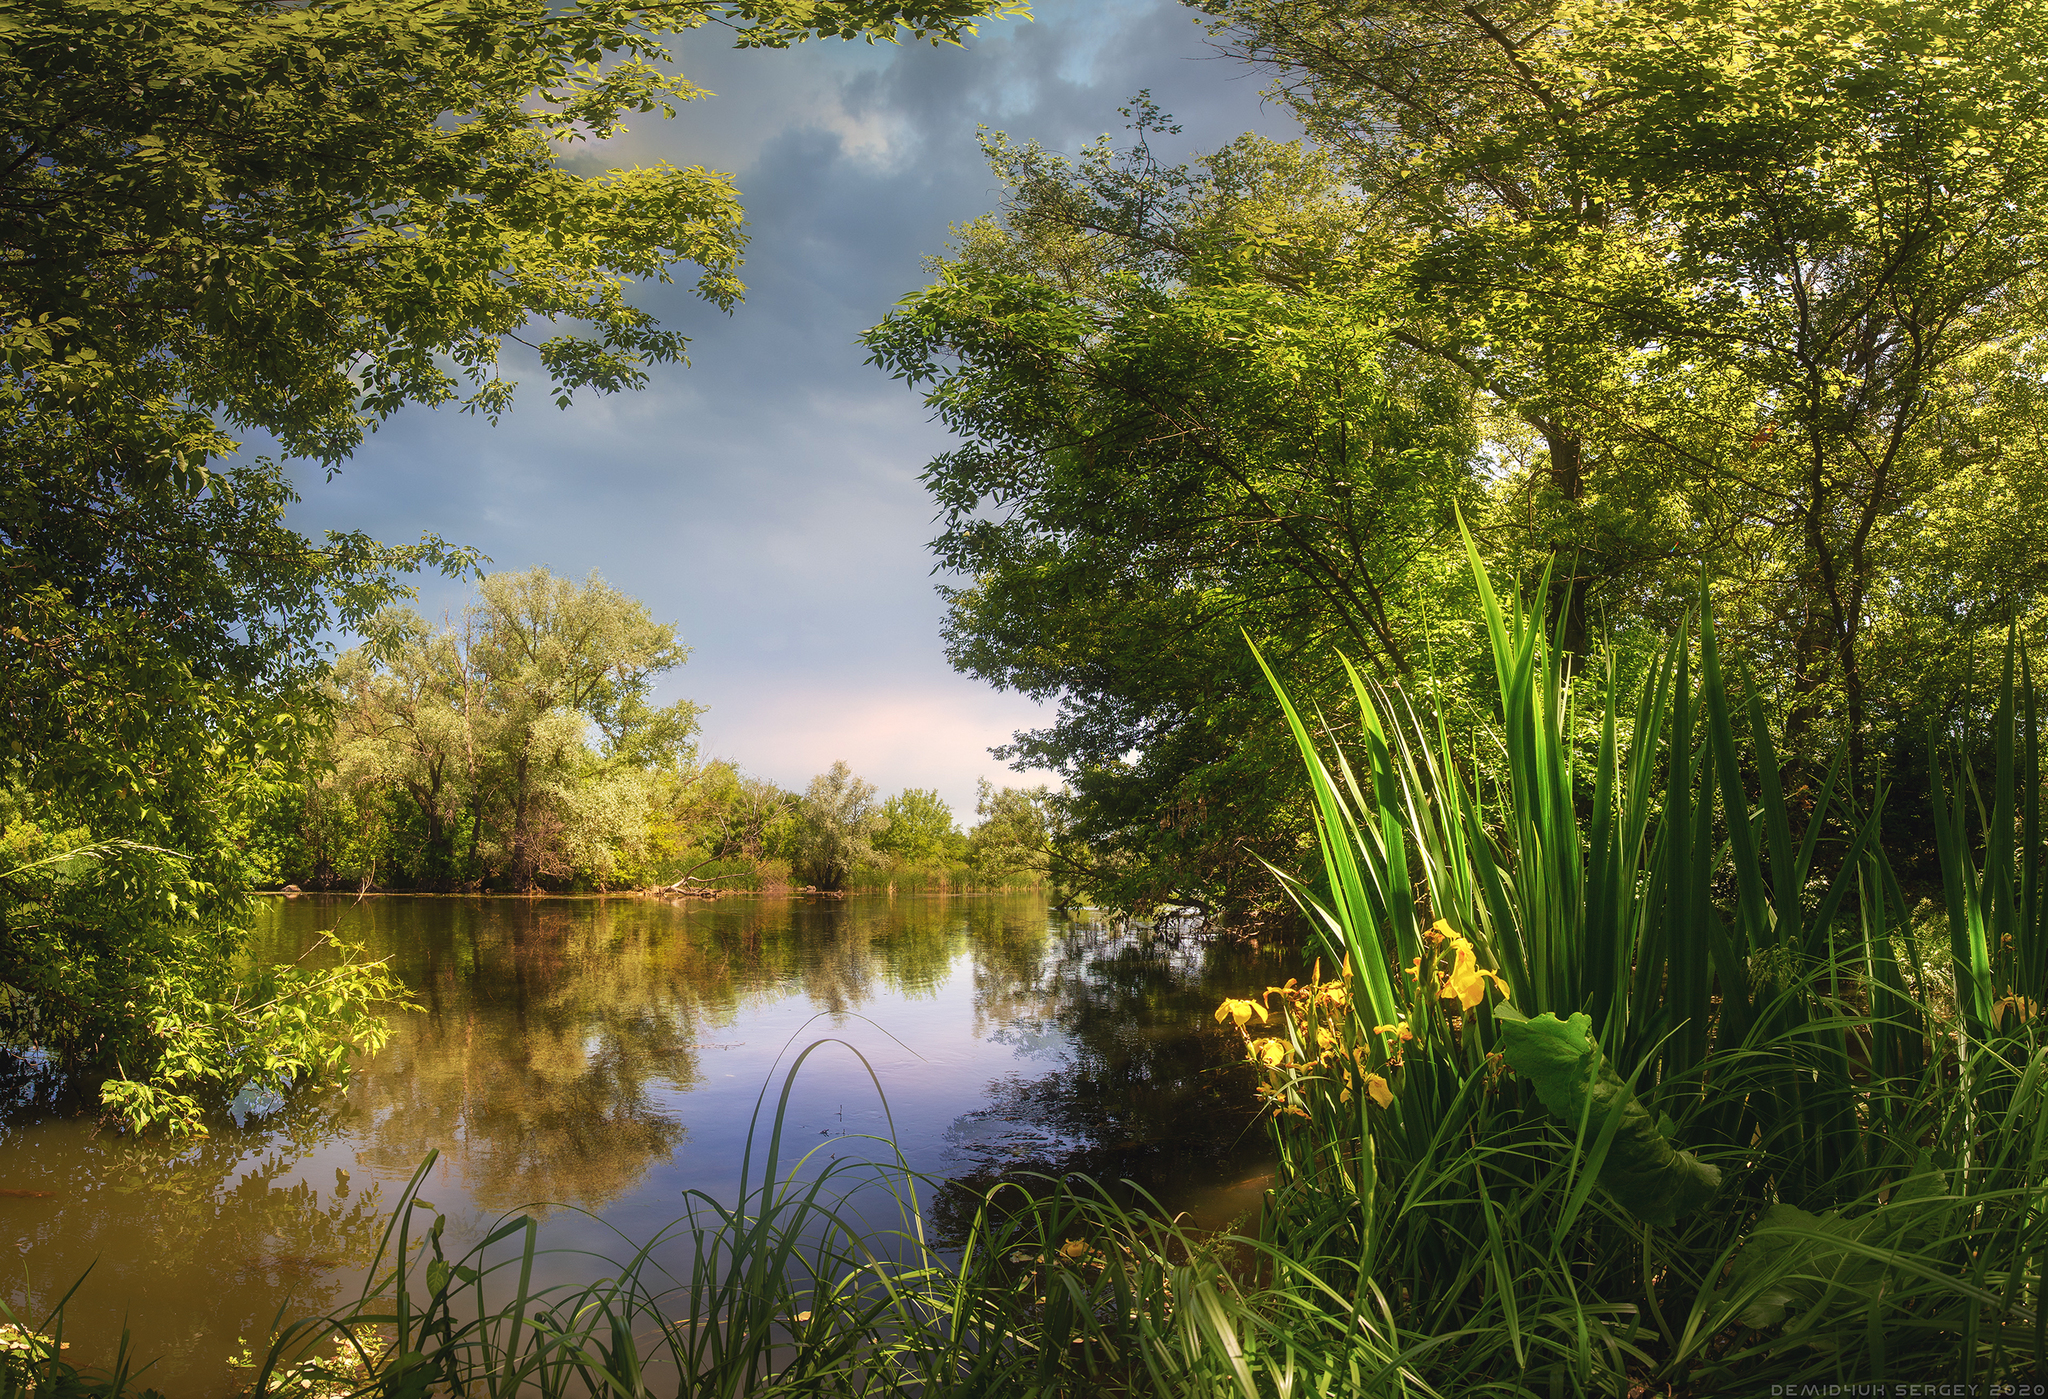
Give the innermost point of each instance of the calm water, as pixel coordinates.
(608, 1055)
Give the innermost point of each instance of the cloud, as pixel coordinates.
(767, 499)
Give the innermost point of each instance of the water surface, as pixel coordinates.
(610, 1054)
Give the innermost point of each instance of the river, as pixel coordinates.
(601, 1056)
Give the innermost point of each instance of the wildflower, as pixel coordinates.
(1270, 1052)
(1241, 1012)
(1074, 1250)
(1401, 1029)
(1466, 983)
(1381, 1093)
(1325, 1040)
(2025, 1008)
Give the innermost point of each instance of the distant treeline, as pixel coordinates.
(518, 749)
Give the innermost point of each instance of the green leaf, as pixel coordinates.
(1804, 1270)
(1651, 1178)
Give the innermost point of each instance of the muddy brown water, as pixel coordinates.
(607, 1055)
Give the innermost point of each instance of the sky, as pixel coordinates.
(766, 498)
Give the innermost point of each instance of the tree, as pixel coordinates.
(485, 732)
(918, 827)
(558, 658)
(1745, 270)
(837, 824)
(226, 215)
(726, 813)
(1014, 835)
(1182, 419)
(405, 720)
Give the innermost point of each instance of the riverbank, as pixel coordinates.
(605, 1054)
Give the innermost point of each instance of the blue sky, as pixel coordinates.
(766, 499)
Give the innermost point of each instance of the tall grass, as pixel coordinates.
(1550, 985)
(1612, 1075)
(793, 1289)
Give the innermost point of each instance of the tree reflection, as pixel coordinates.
(559, 1035)
(554, 1038)
(1141, 1084)
(227, 1220)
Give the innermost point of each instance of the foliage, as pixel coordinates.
(1646, 1175)
(920, 828)
(1015, 832)
(120, 963)
(519, 746)
(1761, 282)
(714, 811)
(1182, 416)
(1609, 975)
(285, 216)
(837, 824)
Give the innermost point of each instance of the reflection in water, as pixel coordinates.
(209, 1239)
(608, 1054)
(1139, 1085)
(550, 1033)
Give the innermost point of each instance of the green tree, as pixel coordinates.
(1015, 833)
(524, 743)
(559, 659)
(227, 215)
(836, 827)
(716, 808)
(1750, 274)
(406, 725)
(1182, 418)
(919, 827)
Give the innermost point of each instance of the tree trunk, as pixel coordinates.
(1569, 578)
(522, 864)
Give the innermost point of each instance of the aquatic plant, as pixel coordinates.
(1611, 989)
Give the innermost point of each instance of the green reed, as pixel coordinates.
(1610, 1077)
(1613, 1089)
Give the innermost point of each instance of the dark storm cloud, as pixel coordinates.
(767, 498)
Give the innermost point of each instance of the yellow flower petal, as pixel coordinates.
(1325, 1040)
(1464, 984)
(1241, 1012)
(1075, 1248)
(1381, 1094)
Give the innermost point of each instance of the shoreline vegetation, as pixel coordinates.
(1611, 433)
(1595, 1096)
(518, 750)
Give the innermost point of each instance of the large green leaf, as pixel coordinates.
(1652, 1179)
(1813, 1273)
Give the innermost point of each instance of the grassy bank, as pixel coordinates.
(1617, 1073)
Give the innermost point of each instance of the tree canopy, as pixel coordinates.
(1754, 276)
(1182, 417)
(1645, 292)
(222, 217)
